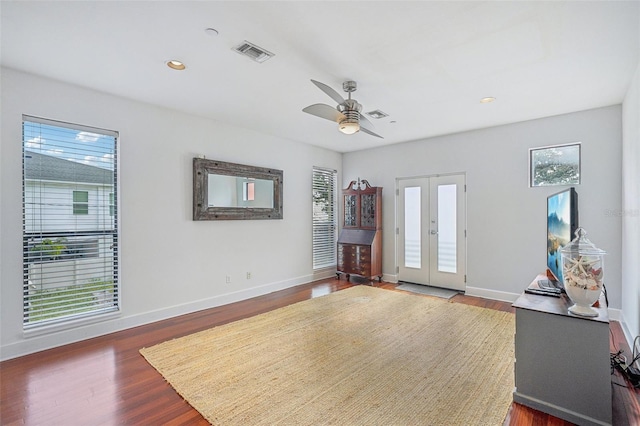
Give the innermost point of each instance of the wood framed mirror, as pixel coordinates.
(230, 191)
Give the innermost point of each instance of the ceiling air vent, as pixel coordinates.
(253, 52)
(377, 114)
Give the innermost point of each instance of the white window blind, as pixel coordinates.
(70, 222)
(324, 217)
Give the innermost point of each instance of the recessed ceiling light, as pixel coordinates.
(487, 100)
(175, 65)
(211, 31)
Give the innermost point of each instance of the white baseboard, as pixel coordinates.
(615, 314)
(627, 333)
(36, 342)
(390, 278)
(323, 274)
(491, 294)
(472, 291)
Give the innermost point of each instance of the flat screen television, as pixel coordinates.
(562, 222)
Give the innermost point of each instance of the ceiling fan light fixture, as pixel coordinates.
(349, 127)
(348, 112)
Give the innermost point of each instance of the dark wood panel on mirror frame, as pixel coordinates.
(230, 191)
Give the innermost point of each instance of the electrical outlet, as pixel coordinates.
(248, 275)
(228, 279)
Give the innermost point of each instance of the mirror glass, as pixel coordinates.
(244, 192)
(229, 191)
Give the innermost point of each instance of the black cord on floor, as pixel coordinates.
(619, 362)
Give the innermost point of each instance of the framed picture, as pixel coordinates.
(554, 165)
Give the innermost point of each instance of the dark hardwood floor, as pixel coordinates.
(106, 381)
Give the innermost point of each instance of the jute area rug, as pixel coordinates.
(360, 356)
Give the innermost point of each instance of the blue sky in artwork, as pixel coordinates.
(560, 206)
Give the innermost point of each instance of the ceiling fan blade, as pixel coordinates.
(325, 111)
(367, 127)
(367, 123)
(329, 91)
(364, 129)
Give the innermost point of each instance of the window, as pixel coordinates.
(80, 202)
(324, 217)
(112, 204)
(70, 223)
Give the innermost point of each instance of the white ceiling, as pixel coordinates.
(425, 63)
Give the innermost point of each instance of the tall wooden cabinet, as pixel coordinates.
(360, 241)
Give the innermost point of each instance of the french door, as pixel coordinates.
(431, 234)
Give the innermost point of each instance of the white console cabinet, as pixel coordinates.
(562, 361)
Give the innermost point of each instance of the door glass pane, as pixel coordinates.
(412, 254)
(447, 253)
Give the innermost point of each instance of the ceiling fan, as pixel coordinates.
(347, 113)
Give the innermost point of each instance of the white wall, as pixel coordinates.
(170, 264)
(631, 209)
(506, 220)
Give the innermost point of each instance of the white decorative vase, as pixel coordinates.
(582, 274)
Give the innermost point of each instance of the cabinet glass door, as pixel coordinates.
(350, 210)
(368, 211)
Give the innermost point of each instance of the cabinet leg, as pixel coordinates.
(380, 278)
(338, 276)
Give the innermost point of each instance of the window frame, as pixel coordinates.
(81, 244)
(324, 246)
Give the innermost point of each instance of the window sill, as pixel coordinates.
(70, 324)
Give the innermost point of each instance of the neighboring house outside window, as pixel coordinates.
(325, 224)
(70, 222)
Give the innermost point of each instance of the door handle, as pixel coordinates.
(433, 232)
